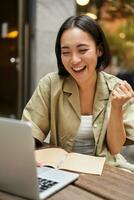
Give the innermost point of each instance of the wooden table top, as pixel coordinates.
(113, 184)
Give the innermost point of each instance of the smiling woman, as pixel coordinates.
(79, 55)
(76, 104)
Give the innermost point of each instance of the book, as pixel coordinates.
(60, 159)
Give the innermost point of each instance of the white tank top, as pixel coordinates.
(84, 142)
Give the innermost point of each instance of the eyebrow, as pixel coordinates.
(79, 45)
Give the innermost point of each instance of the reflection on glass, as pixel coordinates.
(8, 49)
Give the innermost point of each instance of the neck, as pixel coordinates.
(87, 92)
(88, 85)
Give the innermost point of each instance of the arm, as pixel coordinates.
(37, 111)
(116, 134)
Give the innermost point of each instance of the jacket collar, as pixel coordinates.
(103, 88)
(101, 95)
(70, 87)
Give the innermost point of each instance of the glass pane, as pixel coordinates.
(8, 56)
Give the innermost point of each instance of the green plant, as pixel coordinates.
(122, 43)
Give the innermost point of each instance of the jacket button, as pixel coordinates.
(95, 125)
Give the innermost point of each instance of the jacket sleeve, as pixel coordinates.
(37, 110)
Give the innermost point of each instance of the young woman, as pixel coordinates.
(85, 109)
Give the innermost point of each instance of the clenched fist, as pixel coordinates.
(122, 93)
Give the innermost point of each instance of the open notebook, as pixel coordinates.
(18, 172)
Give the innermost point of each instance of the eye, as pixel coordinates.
(65, 53)
(82, 51)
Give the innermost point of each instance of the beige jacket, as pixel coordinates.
(55, 107)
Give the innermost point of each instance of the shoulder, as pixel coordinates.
(52, 82)
(110, 79)
(50, 77)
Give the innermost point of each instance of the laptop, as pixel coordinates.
(18, 172)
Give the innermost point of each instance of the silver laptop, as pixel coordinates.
(18, 172)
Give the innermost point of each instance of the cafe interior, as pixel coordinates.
(16, 19)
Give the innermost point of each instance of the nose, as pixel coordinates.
(75, 59)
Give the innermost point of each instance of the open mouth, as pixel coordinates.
(78, 69)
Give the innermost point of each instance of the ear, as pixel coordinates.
(99, 52)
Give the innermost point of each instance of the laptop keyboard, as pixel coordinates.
(44, 184)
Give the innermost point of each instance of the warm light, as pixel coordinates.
(12, 60)
(12, 34)
(122, 35)
(93, 16)
(82, 2)
(130, 44)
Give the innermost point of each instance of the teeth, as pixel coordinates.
(77, 68)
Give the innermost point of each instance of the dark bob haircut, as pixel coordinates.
(90, 26)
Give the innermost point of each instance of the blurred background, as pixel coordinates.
(28, 31)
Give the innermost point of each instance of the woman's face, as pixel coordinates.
(79, 54)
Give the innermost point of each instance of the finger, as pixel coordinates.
(126, 88)
(125, 92)
(115, 94)
(125, 84)
(118, 94)
(39, 164)
(120, 91)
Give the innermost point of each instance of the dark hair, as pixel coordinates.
(90, 26)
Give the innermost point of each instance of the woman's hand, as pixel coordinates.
(121, 94)
(116, 133)
(39, 164)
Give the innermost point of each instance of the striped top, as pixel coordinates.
(84, 142)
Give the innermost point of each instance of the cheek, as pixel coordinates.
(64, 60)
(91, 57)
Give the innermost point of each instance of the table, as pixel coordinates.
(113, 184)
